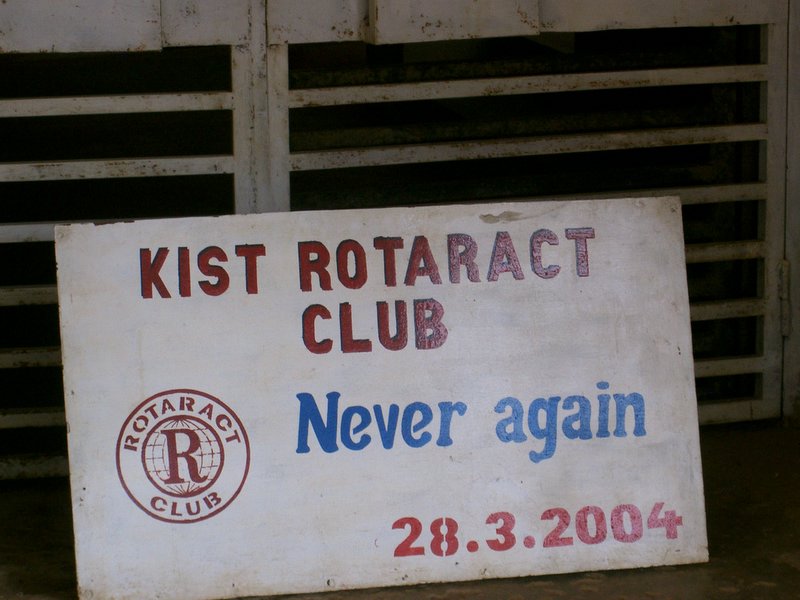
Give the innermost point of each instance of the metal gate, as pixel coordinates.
(191, 109)
(618, 100)
(108, 110)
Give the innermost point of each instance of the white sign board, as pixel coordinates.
(297, 402)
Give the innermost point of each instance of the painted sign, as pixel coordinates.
(299, 402)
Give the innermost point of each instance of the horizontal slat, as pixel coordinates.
(97, 105)
(507, 86)
(728, 309)
(728, 366)
(722, 193)
(14, 358)
(699, 253)
(734, 411)
(30, 467)
(738, 192)
(15, 233)
(105, 169)
(44, 418)
(504, 148)
(30, 294)
(582, 15)
(79, 26)
(309, 21)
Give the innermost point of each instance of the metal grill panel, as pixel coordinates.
(722, 155)
(100, 155)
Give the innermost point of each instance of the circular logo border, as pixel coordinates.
(211, 398)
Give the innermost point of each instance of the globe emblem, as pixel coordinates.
(183, 456)
(171, 451)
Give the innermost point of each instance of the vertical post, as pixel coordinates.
(791, 356)
(276, 130)
(261, 119)
(772, 171)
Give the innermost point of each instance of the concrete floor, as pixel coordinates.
(752, 483)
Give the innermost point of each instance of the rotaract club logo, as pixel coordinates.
(182, 456)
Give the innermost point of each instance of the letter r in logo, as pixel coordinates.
(188, 455)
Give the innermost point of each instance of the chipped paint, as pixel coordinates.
(80, 25)
(418, 21)
(506, 216)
